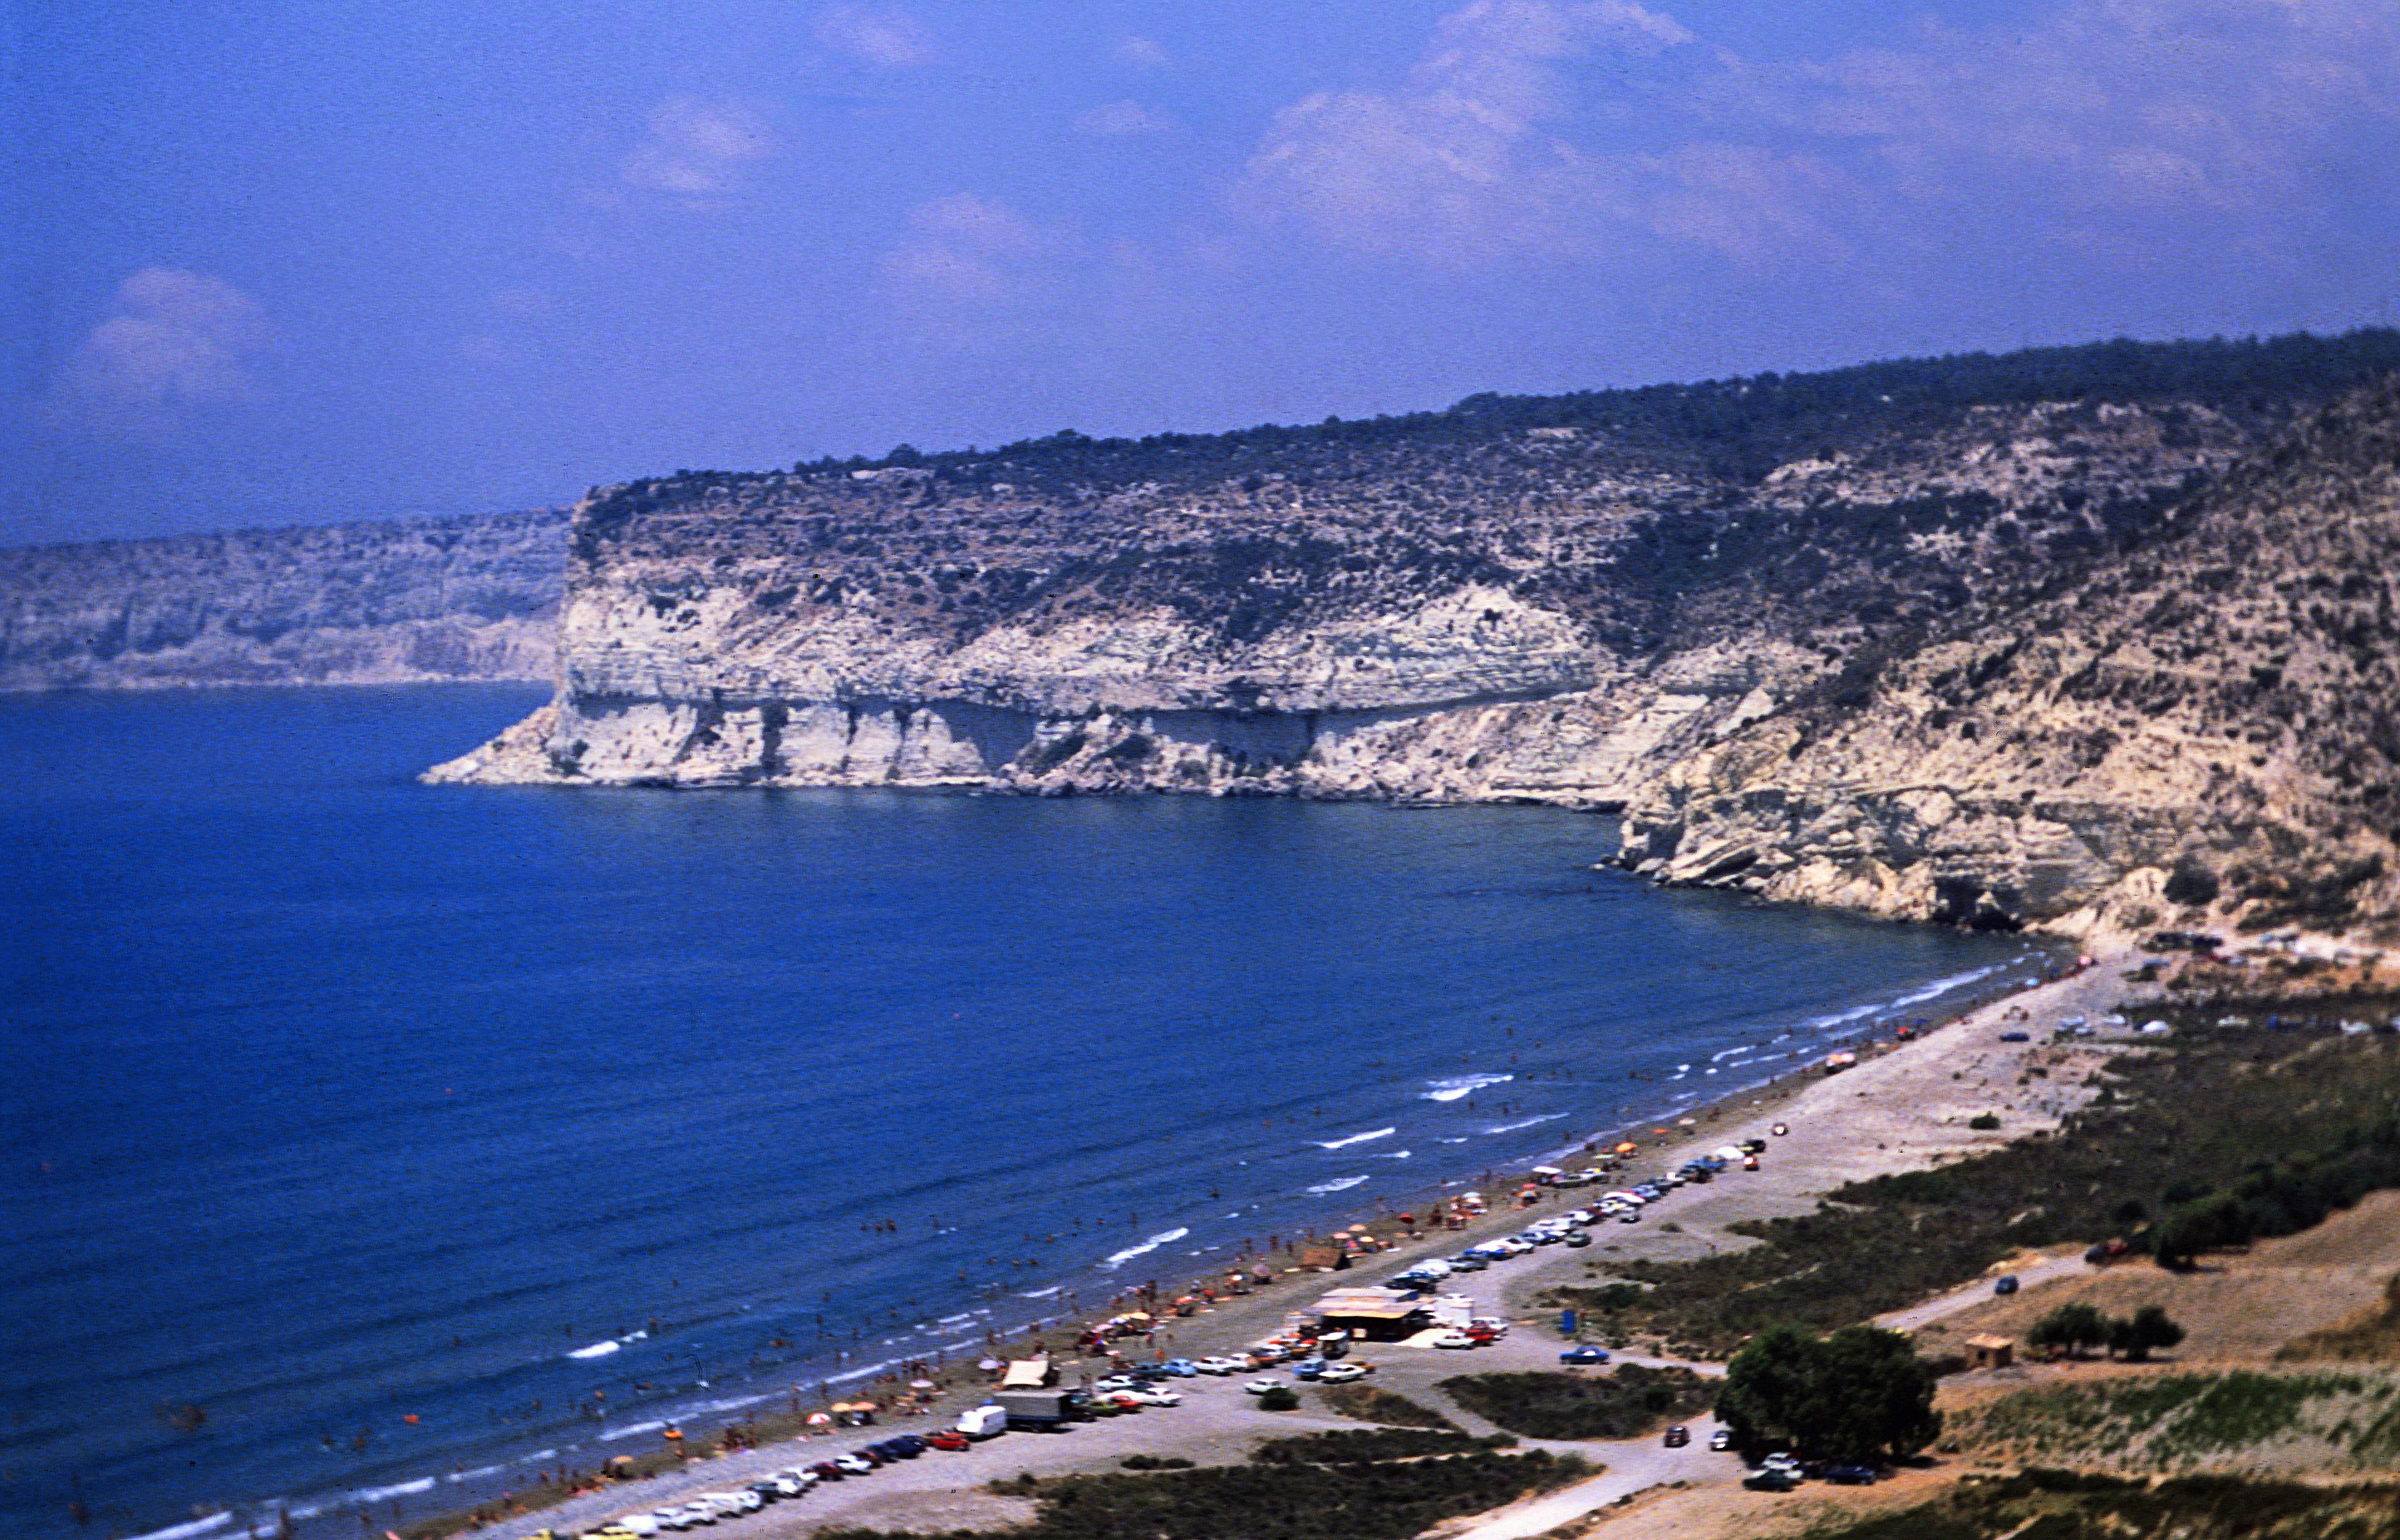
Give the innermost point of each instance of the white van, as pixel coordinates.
(983, 1422)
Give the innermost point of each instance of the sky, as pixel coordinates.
(295, 261)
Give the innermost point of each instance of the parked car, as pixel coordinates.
(1150, 1395)
(1850, 1476)
(2016, 1037)
(1342, 1374)
(2005, 1284)
(1468, 1262)
(1721, 1440)
(1576, 1240)
(1308, 1368)
(1455, 1339)
(854, 1463)
(828, 1470)
(1182, 1369)
(1584, 1353)
(1218, 1364)
(1782, 1461)
(1678, 1435)
(948, 1439)
(1772, 1478)
(1109, 1382)
(1261, 1386)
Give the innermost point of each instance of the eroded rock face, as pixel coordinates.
(401, 602)
(1856, 639)
(2201, 731)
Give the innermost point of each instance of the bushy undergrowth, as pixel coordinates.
(2220, 1110)
(2173, 1420)
(1374, 1404)
(2051, 1505)
(1386, 1500)
(1540, 1403)
(1349, 1445)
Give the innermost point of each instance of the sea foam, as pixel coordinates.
(1119, 1258)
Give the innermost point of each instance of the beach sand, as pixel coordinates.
(1904, 1106)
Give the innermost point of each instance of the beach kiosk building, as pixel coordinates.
(1374, 1315)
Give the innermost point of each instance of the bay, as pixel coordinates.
(374, 1144)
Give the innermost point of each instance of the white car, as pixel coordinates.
(1342, 1374)
(1453, 1339)
(1113, 1383)
(1219, 1365)
(1261, 1386)
(1150, 1395)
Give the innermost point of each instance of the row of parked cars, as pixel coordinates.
(713, 1507)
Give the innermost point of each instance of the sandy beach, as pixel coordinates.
(1906, 1105)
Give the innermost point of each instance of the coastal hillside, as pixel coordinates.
(2201, 729)
(396, 602)
(1589, 599)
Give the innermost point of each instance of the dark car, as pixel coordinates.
(827, 1471)
(1678, 1435)
(910, 1445)
(1584, 1353)
(2005, 1284)
(1771, 1480)
(1850, 1476)
(2016, 1037)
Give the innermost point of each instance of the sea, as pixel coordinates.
(373, 1146)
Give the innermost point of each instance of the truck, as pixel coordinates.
(1042, 1410)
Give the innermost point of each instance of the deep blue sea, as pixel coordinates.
(537, 1116)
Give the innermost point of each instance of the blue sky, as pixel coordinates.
(280, 260)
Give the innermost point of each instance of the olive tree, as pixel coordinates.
(1859, 1395)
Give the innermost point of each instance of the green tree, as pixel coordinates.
(1861, 1394)
(2073, 1326)
(2136, 1335)
(2201, 1225)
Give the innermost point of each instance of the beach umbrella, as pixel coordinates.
(819, 1419)
(922, 1384)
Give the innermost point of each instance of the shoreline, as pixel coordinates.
(782, 1438)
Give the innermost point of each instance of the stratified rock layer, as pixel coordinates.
(1672, 600)
(398, 602)
(2200, 731)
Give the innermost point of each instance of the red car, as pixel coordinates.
(1678, 1435)
(950, 1439)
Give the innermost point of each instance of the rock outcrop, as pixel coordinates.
(1669, 600)
(398, 602)
(2201, 730)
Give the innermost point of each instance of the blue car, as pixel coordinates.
(1182, 1369)
(1585, 1354)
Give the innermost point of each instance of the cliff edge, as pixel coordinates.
(1715, 606)
(393, 602)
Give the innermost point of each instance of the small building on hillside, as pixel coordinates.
(1990, 1352)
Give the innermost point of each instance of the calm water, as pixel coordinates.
(335, 1099)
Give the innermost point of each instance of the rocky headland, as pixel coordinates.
(2094, 639)
(402, 600)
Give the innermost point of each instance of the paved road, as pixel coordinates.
(1978, 1292)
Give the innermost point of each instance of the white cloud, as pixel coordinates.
(173, 344)
(2125, 127)
(1141, 53)
(880, 34)
(1461, 166)
(698, 149)
(970, 269)
(1121, 119)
